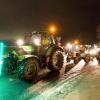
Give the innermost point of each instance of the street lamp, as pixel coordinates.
(52, 30)
(76, 42)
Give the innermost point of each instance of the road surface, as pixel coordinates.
(80, 83)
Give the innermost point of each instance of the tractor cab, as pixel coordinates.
(37, 42)
(39, 38)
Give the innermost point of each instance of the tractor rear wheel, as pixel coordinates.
(56, 60)
(76, 60)
(28, 70)
(87, 58)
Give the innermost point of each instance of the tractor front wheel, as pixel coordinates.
(28, 70)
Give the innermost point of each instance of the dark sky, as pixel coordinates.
(74, 18)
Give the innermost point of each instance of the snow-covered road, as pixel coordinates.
(53, 86)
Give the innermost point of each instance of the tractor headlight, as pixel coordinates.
(77, 47)
(69, 46)
(93, 52)
(37, 41)
(20, 42)
(86, 52)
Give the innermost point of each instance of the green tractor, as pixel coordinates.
(38, 52)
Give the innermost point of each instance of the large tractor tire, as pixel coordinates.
(77, 58)
(87, 58)
(56, 60)
(28, 70)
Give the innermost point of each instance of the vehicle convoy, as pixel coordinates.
(85, 52)
(91, 53)
(39, 51)
(73, 53)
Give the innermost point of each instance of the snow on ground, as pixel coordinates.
(72, 86)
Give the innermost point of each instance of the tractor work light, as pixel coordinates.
(93, 52)
(1, 57)
(37, 41)
(69, 46)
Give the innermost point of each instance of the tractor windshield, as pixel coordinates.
(38, 39)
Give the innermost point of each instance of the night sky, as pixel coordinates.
(73, 18)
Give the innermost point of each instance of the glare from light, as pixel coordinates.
(95, 46)
(95, 62)
(77, 47)
(98, 49)
(52, 29)
(76, 42)
(37, 42)
(20, 42)
(86, 52)
(69, 46)
(93, 52)
(1, 62)
(1, 57)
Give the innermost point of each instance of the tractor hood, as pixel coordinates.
(23, 50)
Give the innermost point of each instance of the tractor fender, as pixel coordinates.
(51, 49)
